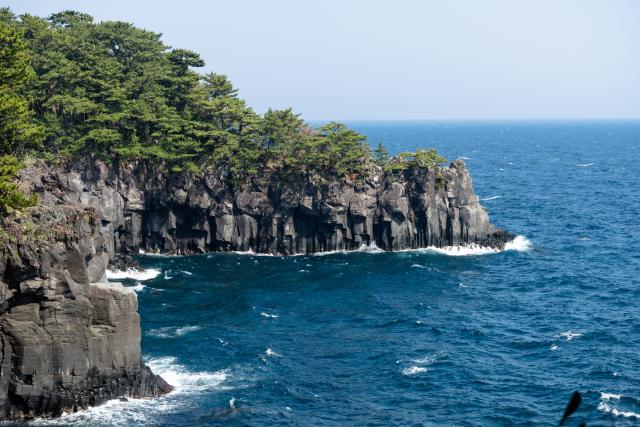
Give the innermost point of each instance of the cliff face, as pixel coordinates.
(67, 340)
(178, 213)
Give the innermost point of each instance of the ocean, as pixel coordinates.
(420, 337)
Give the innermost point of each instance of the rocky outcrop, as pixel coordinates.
(67, 339)
(147, 209)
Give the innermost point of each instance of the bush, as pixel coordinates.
(11, 198)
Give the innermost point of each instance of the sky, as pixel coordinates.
(404, 59)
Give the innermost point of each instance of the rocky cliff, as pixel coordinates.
(144, 209)
(68, 340)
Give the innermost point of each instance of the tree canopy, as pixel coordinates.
(70, 86)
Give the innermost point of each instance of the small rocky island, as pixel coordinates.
(115, 145)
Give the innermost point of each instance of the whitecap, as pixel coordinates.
(519, 243)
(491, 198)
(585, 165)
(270, 316)
(568, 335)
(188, 273)
(172, 332)
(132, 411)
(609, 396)
(466, 250)
(303, 271)
(133, 274)
(183, 380)
(464, 158)
(139, 287)
(272, 353)
(555, 347)
(414, 370)
(602, 406)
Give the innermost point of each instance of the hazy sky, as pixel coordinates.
(404, 59)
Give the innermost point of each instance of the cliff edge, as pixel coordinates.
(68, 340)
(146, 209)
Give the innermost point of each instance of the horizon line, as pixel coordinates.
(524, 119)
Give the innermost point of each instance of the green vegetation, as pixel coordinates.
(421, 159)
(18, 132)
(71, 87)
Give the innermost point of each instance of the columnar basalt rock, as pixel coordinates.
(68, 340)
(178, 213)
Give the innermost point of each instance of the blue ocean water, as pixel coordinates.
(421, 338)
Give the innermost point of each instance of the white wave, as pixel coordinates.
(428, 360)
(371, 248)
(609, 396)
(250, 252)
(465, 250)
(172, 332)
(414, 370)
(183, 380)
(555, 347)
(270, 316)
(568, 335)
(464, 158)
(270, 352)
(585, 165)
(303, 271)
(519, 243)
(139, 287)
(129, 412)
(188, 273)
(133, 274)
(491, 198)
(602, 406)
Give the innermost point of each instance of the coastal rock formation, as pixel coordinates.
(67, 339)
(146, 209)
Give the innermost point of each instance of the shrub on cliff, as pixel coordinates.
(421, 159)
(11, 198)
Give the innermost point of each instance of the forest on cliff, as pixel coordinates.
(71, 88)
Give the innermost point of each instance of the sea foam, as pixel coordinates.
(414, 370)
(172, 332)
(133, 274)
(129, 412)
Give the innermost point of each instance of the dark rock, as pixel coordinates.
(145, 209)
(67, 340)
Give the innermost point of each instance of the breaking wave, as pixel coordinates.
(606, 405)
(414, 370)
(129, 412)
(133, 274)
(172, 332)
